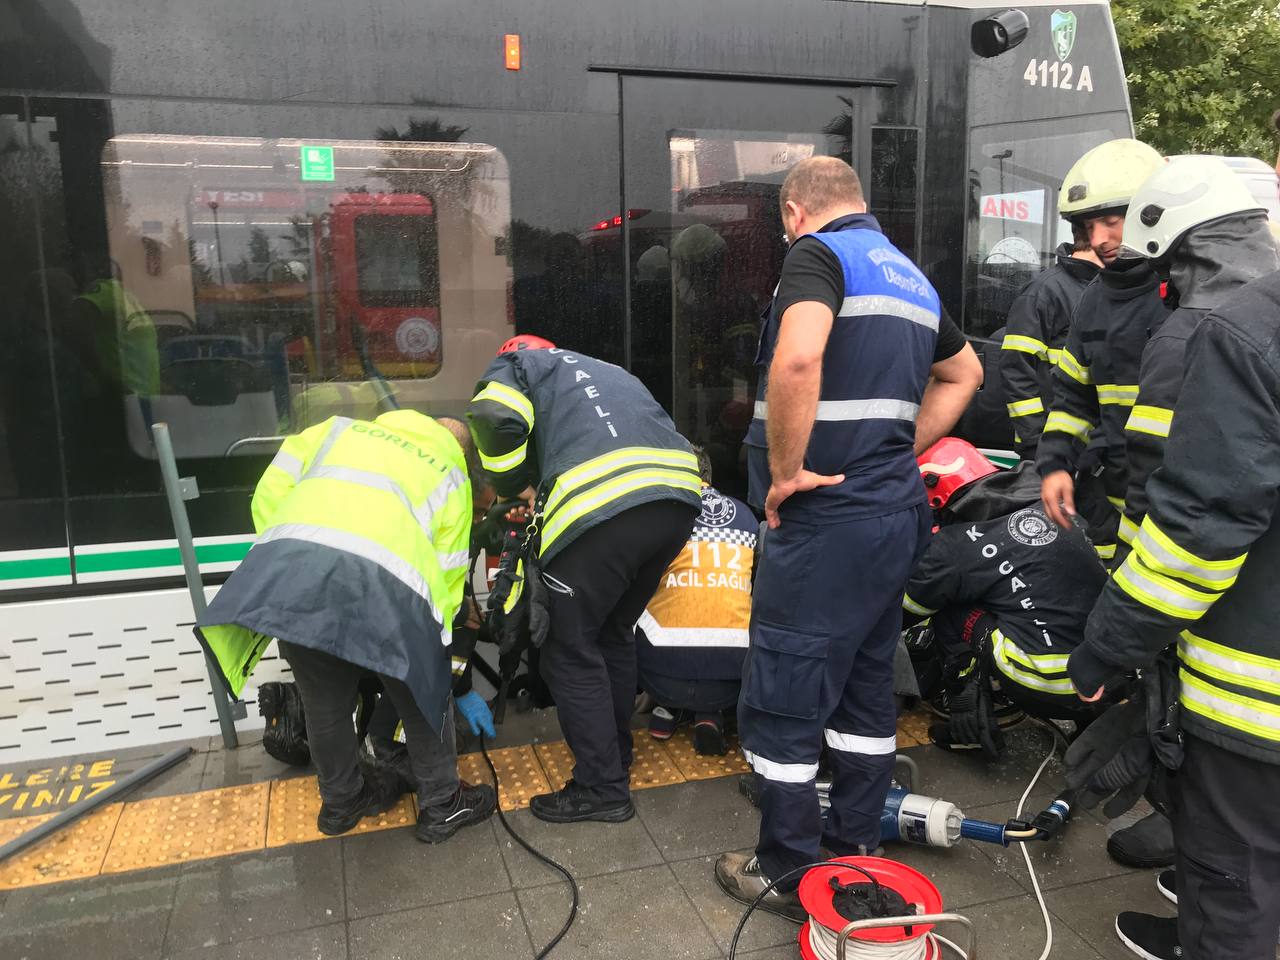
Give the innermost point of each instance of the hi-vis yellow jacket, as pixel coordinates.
(363, 529)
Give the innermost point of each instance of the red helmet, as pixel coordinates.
(950, 465)
(526, 341)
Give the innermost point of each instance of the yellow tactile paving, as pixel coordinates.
(520, 776)
(72, 853)
(294, 804)
(196, 826)
(652, 766)
(693, 766)
(216, 823)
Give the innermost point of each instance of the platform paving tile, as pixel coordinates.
(248, 763)
(319, 943)
(1090, 908)
(486, 927)
(634, 915)
(1077, 855)
(963, 874)
(968, 780)
(1014, 929)
(698, 819)
(721, 912)
(585, 849)
(118, 917)
(257, 894)
(393, 871)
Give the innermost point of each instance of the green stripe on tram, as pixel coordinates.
(34, 568)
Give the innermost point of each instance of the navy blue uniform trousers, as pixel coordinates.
(825, 618)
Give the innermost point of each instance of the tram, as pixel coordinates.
(240, 219)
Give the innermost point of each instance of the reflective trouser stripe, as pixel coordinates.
(501, 463)
(839, 411)
(1062, 422)
(882, 306)
(920, 610)
(1248, 670)
(1107, 551)
(1023, 408)
(375, 553)
(781, 772)
(1128, 530)
(508, 397)
(852, 743)
(573, 480)
(1159, 552)
(1121, 394)
(1074, 369)
(1153, 420)
(1022, 344)
(1255, 717)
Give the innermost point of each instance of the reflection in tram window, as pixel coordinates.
(1014, 215)
(248, 301)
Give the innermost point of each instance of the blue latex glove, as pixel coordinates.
(472, 706)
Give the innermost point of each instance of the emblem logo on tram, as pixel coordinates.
(1063, 26)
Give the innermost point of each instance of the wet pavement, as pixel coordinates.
(647, 891)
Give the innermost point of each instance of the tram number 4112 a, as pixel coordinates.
(1059, 76)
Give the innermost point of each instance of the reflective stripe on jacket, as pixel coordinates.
(585, 433)
(362, 552)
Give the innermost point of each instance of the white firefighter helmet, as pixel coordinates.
(1184, 193)
(1106, 177)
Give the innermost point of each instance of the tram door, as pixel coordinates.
(703, 162)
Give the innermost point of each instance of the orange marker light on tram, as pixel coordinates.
(512, 46)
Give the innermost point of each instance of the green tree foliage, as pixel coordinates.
(1204, 75)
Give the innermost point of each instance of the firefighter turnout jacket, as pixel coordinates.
(1037, 328)
(1209, 264)
(1202, 569)
(585, 433)
(695, 627)
(1095, 383)
(362, 553)
(1037, 580)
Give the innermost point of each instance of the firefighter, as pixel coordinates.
(1201, 575)
(1096, 374)
(1036, 331)
(691, 640)
(359, 566)
(1007, 592)
(845, 356)
(614, 491)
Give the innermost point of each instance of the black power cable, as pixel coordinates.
(573, 884)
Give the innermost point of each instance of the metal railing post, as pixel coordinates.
(178, 490)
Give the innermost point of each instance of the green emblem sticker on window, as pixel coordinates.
(1062, 25)
(316, 163)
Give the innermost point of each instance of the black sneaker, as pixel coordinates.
(574, 803)
(285, 734)
(1167, 884)
(1155, 938)
(373, 799)
(708, 735)
(471, 804)
(662, 723)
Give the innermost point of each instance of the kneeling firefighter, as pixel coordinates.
(1007, 593)
(615, 490)
(359, 568)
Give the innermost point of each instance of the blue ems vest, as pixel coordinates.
(874, 372)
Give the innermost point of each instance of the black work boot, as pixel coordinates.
(374, 798)
(708, 735)
(285, 733)
(574, 803)
(1155, 938)
(1148, 843)
(471, 804)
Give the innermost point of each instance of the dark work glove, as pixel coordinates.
(973, 718)
(1112, 758)
(539, 600)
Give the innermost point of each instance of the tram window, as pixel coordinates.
(893, 183)
(250, 301)
(1015, 174)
